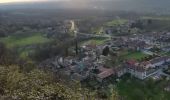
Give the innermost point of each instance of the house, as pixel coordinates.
(120, 71)
(145, 69)
(159, 61)
(140, 70)
(135, 70)
(146, 65)
(104, 73)
(77, 77)
(136, 44)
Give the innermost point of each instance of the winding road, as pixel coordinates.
(75, 30)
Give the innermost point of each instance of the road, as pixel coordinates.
(74, 29)
(72, 25)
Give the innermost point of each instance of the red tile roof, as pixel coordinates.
(144, 63)
(106, 73)
(131, 62)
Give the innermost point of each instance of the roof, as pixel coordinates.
(106, 73)
(92, 46)
(131, 62)
(77, 77)
(119, 68)
(134, 65)
(137, 68)
(145, 63)
(158, 59)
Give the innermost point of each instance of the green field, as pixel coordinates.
(134, 55)
(116, 22)
(21, 41)
(13, 41)
(95, 41)
(134, 89)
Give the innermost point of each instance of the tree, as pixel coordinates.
(7, 56)
(106, 51)
(137, 24)
(114, 94)
(149, 21)
(138, 95)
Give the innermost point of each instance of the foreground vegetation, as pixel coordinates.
(34, 85)
(134, 89)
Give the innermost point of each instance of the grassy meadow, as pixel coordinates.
(95, 41)
(13, 41)
(135, 55)
(20, 42)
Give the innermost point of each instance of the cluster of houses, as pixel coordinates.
(91, 63)
(159, 39)
(145, 69)
(145, 43)
(129, 43)
(140, 70)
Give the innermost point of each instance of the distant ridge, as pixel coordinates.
(158, 6)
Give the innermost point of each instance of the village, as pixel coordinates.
(84, 50)
(142, 56)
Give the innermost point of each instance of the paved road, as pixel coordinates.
(73, 28)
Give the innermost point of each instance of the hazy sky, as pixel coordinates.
(10, 1)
